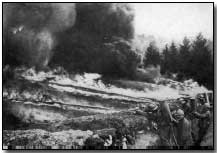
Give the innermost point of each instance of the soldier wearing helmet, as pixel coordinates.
(183, 129)
(204, 116)
(165, 122)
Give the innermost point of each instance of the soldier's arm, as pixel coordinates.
(204, 115)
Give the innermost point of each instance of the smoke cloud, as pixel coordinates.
(30, 28)
(90, 37)
(99, 41)
(37, 16)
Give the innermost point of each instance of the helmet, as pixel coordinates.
(179, 114)
(201, 96)
(182, 100)
(191, 98)
(152, 106)
(207, 105)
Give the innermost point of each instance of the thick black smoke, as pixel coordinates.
(91, 37)
(29, 30)
(99, 41)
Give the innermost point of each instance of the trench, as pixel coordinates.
(54, 119)
(26, 116)
(66, 117)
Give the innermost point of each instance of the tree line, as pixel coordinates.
(191, 59)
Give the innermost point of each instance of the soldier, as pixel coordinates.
(146, 109)
(189, 106)
(183, 129)
(204, 116)
(192, 107)
(108, 142)
(124, 142)
(165, 122)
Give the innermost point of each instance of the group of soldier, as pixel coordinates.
(182, 123)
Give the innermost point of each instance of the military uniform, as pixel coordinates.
(165, 121)
(204, 116)
(184, 137)
(183, 129)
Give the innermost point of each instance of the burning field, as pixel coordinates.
(57, 109)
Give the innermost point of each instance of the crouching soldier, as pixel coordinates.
(148, 109)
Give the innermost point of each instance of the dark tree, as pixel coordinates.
(192, 60)
(201, 59)
(152, 55)
(165, 60)
(170, 59)
(184, 57)
(173, 58)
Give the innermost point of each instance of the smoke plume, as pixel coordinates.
(90, 37)
(30, 28)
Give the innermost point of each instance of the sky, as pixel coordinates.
(173, 21)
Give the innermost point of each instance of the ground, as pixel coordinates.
(49, 109)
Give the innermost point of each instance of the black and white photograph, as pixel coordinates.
(108, 76)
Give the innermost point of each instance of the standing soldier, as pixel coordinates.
(204, 116)
(183, 132)
(198, 112)
(166, 120)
